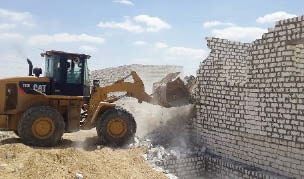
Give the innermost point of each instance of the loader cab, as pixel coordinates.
(68, 72)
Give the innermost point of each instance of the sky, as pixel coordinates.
(123, 32)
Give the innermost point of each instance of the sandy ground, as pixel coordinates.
(77, 153)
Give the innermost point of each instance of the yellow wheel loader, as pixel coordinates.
(41, 109)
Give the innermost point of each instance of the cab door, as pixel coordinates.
(67, 75)
(74, 77)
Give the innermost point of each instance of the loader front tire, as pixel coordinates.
(41, 126)
(116, 127)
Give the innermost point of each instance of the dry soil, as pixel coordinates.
(77, 153)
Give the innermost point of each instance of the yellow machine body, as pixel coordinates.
(14, 102)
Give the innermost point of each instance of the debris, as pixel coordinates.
(78, 176)
(171, 91)
(158, 153)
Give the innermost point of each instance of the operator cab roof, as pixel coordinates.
(55, 52)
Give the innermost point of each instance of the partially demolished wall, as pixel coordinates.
(251, 107)
(148, 73)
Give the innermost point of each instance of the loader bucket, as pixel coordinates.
(171, 91)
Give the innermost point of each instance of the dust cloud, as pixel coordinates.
(163, 126)
(166, 127)
(84, 139)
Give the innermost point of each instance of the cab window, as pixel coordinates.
(52, 68)
(74, 69)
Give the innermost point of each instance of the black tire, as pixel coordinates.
(27, 133)
(110, 115)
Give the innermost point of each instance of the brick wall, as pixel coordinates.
(187, 167)
(211, 166)
(251, 107)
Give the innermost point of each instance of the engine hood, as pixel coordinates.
(27, 78)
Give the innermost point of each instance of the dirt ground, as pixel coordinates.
(77, 153)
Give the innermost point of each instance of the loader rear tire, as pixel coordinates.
(116, 127)
(41, 126)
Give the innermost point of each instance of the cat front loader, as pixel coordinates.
(41, 109)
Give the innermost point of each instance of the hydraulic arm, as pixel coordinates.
(101, 100)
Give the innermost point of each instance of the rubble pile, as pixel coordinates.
(162, 158)
(160, 153)
(169, 145)
(154, 154)
(167, 134)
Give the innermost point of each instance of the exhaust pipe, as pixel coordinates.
(30, 67)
